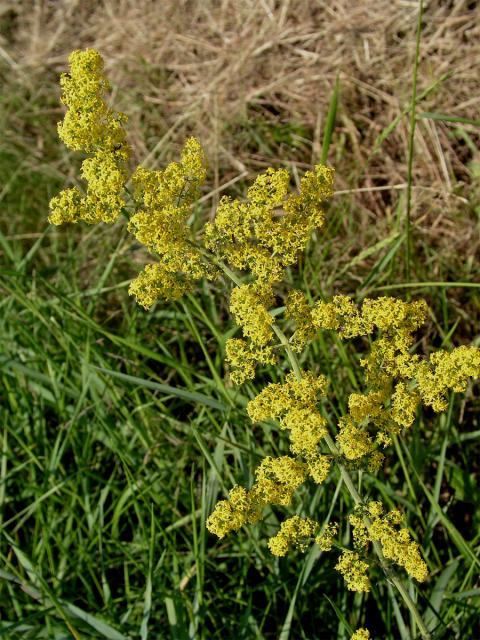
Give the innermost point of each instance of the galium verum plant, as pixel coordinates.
(249, 245)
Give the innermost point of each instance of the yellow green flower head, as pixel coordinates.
(277, 399)
(298, 309)
(354, 571)
(254, 235)
(248, 305)
(166, 197)
(326, 539)
(385, 314)
(397, 544)
(318, 466)
(354, 442)
(242, 507)
(160, 223)
(68, 206)
(294, 402)
(362, 406)
(375, 461)
(445, 371)
(90, 125)
(404, 405)
(243, 356)
(307, 427)
(276, 481)
(360, 532)
(157, 281)
(278, 478)
(294, 532)
(361, 634)
(375, 509)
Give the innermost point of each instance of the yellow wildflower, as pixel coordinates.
(248, 305)
(277, 479)
(294, 532)
(243, 356)
(297, 308)
(326, 539)
(404, 405)
(353, 441)
(360, 532)
(375, 461)
(230, 515)
(246, 233)
(307, 427)
(354, 571)
(397, 545)
(90, 125)
(318, 467)
(160, 223)
(446, 370)
(361, 634)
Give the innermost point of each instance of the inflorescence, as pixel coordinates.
(258, 239)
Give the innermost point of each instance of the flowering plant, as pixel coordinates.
(249, 245)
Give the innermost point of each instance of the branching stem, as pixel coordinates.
(346, 477)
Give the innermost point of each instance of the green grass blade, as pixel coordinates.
(176, 392)
(429, 115)
(330, 122)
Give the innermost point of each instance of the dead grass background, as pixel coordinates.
(253, 79)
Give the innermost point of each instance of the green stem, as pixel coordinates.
(411, 144)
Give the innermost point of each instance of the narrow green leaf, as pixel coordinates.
(330, 122)
(429, 115)
(193, 396)
(432, 615)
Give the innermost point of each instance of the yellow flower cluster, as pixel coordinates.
(298, 309)
(163, 199)
(397, 545)
(276, 481)
(354, 571)
(160, 223)
(256, 235)
(444, 371)
(361, 634)
(90, 125)
(264, 235)
(294, 404)
(243, 357)
(352, 440)
(370, 525)
(294, 532)
(385, 314)
(249, 307)
(326, 539)
(241, 507)
(397, 380)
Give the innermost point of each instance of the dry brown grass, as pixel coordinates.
(253, 79)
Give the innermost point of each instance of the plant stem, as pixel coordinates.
(411, 144)
(346, 477)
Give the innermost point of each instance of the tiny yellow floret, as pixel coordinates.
(361, 634)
